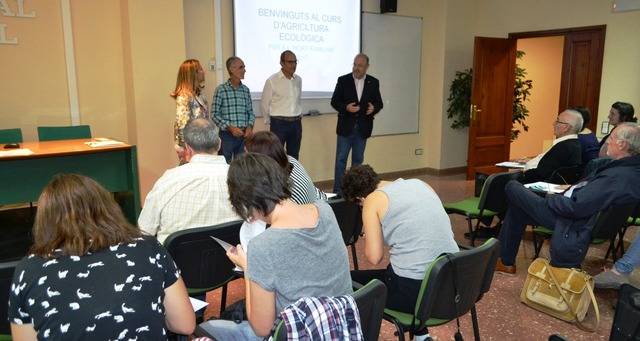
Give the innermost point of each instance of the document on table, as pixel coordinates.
(103, 142)
(510, 164)
(542, 186)
(16, 152)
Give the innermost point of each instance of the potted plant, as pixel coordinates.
(460, 99)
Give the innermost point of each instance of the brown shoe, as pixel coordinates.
(509, 270)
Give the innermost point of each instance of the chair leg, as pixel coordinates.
(223, 299)
(472, 236)
(612, 250)
(474, 319)
(355, 257)
(536, 245)
(399, 330)
(619, 249)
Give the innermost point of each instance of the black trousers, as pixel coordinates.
(402, 292)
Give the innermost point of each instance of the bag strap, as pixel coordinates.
(457, 336)
(566, 300)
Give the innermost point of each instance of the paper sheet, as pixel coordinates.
(197, 304)
(542, 186)
(16, 152)
(510, 164)
(103, 142)
(250, 230)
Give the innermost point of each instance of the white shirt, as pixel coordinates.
(192, 195)
(281, 96)
(533, 163)
(359, 85)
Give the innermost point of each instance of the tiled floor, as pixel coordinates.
(501, 315)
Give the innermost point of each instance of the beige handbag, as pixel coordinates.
(560, 292)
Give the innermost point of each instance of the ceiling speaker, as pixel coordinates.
(388, 6)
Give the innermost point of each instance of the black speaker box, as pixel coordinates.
(387, 6)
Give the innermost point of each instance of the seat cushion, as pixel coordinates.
(467, 206)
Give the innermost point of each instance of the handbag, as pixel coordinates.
(564, 293)
(236, 312)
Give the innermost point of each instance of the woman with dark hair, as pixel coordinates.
(268, 143)
(301, 255)
(189, 101)
(620, 112)
(91, 275)
(408, 217)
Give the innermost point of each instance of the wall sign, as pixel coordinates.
(15, 8)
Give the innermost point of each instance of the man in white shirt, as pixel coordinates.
(280, 104)
(566, 149)
(194, 194)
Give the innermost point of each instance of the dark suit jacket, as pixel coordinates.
(565, 153)
(345, 93)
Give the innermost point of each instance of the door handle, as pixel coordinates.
(473, 111)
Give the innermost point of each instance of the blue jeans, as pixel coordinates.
(289, 133)
(355, 143)
(229, 330)
(524, 208)
(630, 259)
(231, 146)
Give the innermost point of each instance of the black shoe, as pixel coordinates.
(482, 233)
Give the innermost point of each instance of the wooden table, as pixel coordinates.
(22, 177)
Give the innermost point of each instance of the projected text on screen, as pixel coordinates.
(324, 35)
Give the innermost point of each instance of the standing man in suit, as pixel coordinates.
(280, 104)
(357, 100)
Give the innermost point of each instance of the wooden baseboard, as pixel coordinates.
(327, 185)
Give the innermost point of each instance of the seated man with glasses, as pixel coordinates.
(566, 149)
(572, 215)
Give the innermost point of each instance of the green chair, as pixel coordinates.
(610, 223)
(6, 275)
(204, 265)
(633, 220)
(491, 202)
(10, 135)
(451, 287)
(370, 300)
(64, 133)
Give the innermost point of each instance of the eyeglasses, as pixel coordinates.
(291, 62)
(560, 122)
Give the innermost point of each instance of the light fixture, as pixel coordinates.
(625, 5)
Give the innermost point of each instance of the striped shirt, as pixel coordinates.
(192, 195)
(303, 191)
(232, 107)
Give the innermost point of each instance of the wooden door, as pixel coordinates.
(490, 125)
(581, 72)
(581, 66)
